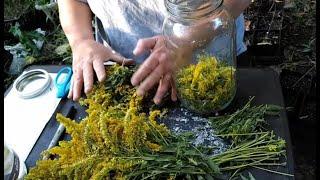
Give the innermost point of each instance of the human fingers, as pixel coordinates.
(100, 70)
(144, 45)
(88, 77)
(120, 59)
(145, 69)
(77, 84)
(173, 90)
(70, 89)
(150, 81)
(162, 88)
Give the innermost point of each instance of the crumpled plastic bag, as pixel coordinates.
(18, 63)
(21, 56)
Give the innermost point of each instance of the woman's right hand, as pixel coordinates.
(88, 58)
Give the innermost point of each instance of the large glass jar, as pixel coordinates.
(201, 37)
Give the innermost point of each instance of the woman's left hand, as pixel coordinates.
(158, 68)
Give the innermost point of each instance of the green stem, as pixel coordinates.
(248, 157)
(245, 159)
(248, 151)
(245, 134)
(276, 172)
(272, 164)
(164, 140)
(243, 165)
(234, 174)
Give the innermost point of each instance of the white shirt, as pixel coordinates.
(126, 21)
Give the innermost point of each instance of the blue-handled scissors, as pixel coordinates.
(63, 81)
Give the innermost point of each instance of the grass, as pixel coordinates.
(299, 37)
(13, 9)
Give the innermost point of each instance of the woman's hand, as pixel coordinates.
(88, 58)
(158, 68)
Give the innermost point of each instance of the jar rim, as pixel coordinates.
(191, 10)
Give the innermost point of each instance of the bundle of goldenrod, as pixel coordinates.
(114, 130)
(207, 86)
(121, 139)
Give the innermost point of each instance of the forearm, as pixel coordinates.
(236, 7)
(75, 18)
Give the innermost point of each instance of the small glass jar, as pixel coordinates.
(201, 37)
(14, 168)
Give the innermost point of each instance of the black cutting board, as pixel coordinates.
(264, 84)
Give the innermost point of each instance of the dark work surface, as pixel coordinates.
(264, 84)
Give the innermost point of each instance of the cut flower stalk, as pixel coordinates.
(121, 139)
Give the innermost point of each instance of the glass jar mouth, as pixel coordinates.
(191, 10)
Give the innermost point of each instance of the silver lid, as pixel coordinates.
(21, 83)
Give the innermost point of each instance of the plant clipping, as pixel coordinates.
(206, 86)
(122, 139)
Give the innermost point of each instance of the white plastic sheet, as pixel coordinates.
(24, 119)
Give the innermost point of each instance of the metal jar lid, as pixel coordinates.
(26, 78)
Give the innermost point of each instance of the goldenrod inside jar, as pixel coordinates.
(201, 35)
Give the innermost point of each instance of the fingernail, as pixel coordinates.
(156, 100)
(129, 61)
(75, 98)
(133, 82)
(140, 93)
(174, 99)
(134, 51)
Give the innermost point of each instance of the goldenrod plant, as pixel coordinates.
(207, 86)
(121, 139)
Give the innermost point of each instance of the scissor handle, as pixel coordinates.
(64, 86)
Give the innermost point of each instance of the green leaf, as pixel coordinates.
(148, 158)
(15, 30)
(251, 177)
(243, 178)
(30, 59)
(193, 161)
(273, 110)
(164, 158)
(63, 49)
(213, 166)
(27, 39)
(169, 150)
(166, 165)
(208, 177)
(306, 50)
(191, 153)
